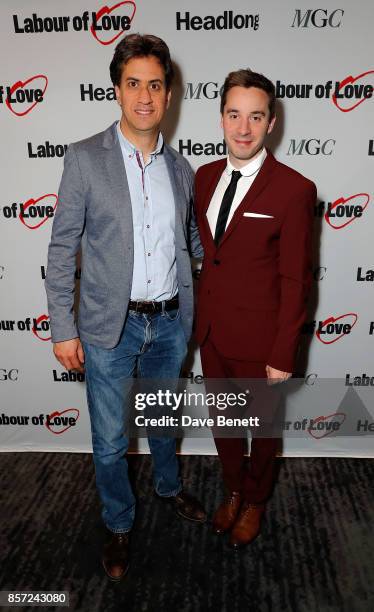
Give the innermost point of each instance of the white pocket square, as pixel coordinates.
(257, 215)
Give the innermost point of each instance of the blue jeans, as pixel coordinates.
(152, 346)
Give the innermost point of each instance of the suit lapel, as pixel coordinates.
(211, 187)
(258, 185)
(213, 182)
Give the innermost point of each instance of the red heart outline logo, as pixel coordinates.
(22, 84)
(56, 413)
(348, 80)
(31, 202)
(332, 320)
(342, 201)
(105, 10)
(318, 434)
(42, 317)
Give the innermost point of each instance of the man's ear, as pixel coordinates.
(271, 124)
(117, 92)
(168, 98)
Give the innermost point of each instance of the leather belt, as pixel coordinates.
(154, 307)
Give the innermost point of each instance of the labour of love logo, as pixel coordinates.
(34, 213)
(344, 211)
(23, 96)
(106, 24)
(41, 327)
(109, 19)
(353, 91)
(323, 426)
(59, 422)
(333, 329)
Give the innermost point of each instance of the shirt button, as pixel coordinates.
(148, 282)
(148, 226)
(148, 254)
(146, 197)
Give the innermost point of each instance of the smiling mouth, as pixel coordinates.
(144, 112)
(243, 142)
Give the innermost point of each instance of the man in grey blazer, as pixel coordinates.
(125, 199)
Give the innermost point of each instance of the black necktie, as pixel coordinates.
(225, 206)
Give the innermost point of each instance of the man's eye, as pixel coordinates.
(132, 83)
(155, 86)
(233, 116)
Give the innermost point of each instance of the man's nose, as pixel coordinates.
(145, 96)
(244, 127)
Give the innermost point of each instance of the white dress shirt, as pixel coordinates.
(249, 173)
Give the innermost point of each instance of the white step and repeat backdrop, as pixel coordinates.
(55, 89)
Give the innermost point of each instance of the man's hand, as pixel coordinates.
(276, 376)
(70, 354)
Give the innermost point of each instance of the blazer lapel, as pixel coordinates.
(177, 188)
(118, 185)
(258, 185)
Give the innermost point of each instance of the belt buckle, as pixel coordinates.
(150, 303)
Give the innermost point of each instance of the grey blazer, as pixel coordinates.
(94, 213)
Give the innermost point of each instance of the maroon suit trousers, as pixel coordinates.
(254, 478)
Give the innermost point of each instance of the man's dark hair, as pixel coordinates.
(247, 78)
(138, 45)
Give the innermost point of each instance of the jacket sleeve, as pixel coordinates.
(295, 268)
(68, 227)
(195, 246)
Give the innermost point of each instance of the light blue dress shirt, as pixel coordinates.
(153, 213)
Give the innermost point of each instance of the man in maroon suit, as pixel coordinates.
(255, 221)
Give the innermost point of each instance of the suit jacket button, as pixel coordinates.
(216, 262)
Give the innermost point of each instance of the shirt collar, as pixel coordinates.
(253, 166)
(131, 149)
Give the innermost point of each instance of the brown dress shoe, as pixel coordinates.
(187, 506)
(247, 525)
(225, 515)
(116, 556)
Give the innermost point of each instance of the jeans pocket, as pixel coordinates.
(172, 315)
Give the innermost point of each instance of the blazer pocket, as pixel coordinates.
(93, 307)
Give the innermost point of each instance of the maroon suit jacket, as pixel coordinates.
(253, 287)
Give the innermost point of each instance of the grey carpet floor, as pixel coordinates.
(315, 552)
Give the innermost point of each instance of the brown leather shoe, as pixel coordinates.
(116, 556)
(226, 513)
(187, 507)
(247, 525)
